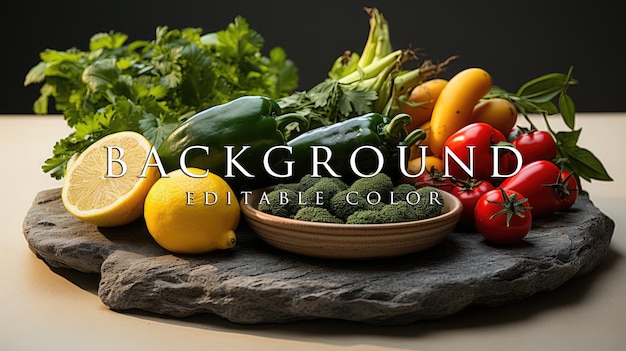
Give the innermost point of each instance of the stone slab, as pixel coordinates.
(256, 283)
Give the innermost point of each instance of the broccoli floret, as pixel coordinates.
(365, 217)
(430, 203)
(306, 182)
(285, 186)
(401, 191)
(380, 183)
(316, 214)
(345, 203)
(377, 206)
(398, 212)
(280, 202)
(326, 187)
(342, 185)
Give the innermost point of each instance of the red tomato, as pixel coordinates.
(503, 216)
(534, 146)
(469, 192)
(481, 137)
(539, 181)
(569, 191)
(434, 178)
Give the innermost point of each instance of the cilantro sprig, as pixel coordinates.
(151, 86)
(547, 96)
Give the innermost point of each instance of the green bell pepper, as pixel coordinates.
(345, 137)
(252, 122)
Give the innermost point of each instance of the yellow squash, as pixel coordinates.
(453, 109)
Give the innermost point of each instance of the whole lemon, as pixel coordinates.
(192, 215)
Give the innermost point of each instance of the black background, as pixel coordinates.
(513, 41)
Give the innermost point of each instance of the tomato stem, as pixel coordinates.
(510, 206)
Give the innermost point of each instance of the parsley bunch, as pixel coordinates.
(152, 86)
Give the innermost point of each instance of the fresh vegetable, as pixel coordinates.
(430, 202)
(455, 104)
(316, 214)
(151, 86)
(399, 212)
(421, 100)
(346, 202)
(541, 183)
(321, 193)
(499, 113)
(503, 216)
(367, 200)
(380, 184)
(477, 139)
(248, 121)
(535, 145)
(282, 202)
(547, 95)
(365, 217)
(469, 191)
(306, 182)
(402, 191)
(343, 138)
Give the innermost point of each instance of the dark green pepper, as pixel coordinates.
(345, 137)
(249, 121)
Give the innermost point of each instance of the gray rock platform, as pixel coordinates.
(256, 283)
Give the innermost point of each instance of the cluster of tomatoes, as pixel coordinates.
(501, 209)
(460, 120)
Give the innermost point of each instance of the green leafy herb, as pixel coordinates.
(326, 103)
(151, 86)
(538, 97)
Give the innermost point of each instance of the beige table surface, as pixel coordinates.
(50, 309)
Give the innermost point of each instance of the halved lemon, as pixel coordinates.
(104, 185)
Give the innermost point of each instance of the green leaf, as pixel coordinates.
(91, 124)
(40, 106)
(171, 80)
(35, 75)
(568, 139)
(101, 75)
(198, 79)
(238, 40)
(155, 129)
(568, 110)
(322, 93)
(210, 39)
(356, 102)
(539, 86)
(585, 164)
(107, 41)
(54, 56)
(549, 108)
(158, 91)
(284, 71)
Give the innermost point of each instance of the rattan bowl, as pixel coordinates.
(351, 241)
